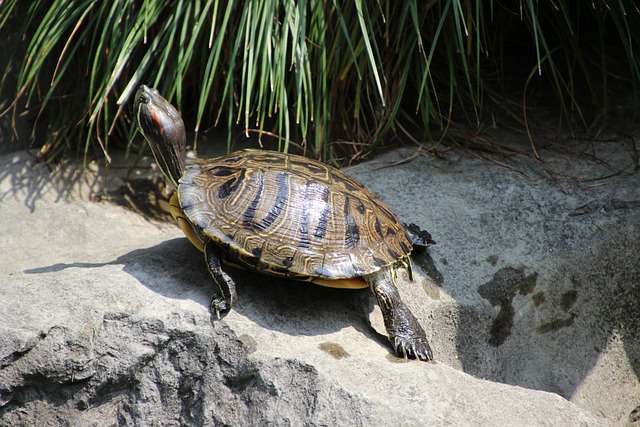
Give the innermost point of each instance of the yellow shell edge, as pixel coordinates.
(183, 222)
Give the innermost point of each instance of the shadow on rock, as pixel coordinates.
(28, 178)
(175, 269)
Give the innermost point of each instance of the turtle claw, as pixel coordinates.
(418, 349)
(219, 306)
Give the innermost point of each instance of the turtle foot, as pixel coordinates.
(219, 306)
(224, 295)
(419, 238)
(405, 333)
(417, 348)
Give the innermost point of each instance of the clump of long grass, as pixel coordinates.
(315, 73)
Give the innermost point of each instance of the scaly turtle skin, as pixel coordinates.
(285, 215)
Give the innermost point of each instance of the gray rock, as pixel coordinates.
(530, 297)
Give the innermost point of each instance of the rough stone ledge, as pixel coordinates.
(104, 314)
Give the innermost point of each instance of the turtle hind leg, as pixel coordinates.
(420, 239)
(407, 337)
(224, 295)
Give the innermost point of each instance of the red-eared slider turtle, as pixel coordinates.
(285, 215)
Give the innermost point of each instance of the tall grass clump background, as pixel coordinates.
(331, 79)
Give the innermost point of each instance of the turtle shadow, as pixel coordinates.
(176, 270)
(291, 307)
(301, 308)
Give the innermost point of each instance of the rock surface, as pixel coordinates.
(530, 298)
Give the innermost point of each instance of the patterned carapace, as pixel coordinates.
(291, 216)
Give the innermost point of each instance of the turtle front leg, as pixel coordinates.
(224, 295)
(405, 333)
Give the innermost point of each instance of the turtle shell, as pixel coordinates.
(290, 216)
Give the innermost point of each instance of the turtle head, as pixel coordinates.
(159, 122)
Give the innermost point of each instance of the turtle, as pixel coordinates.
(284, 215)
